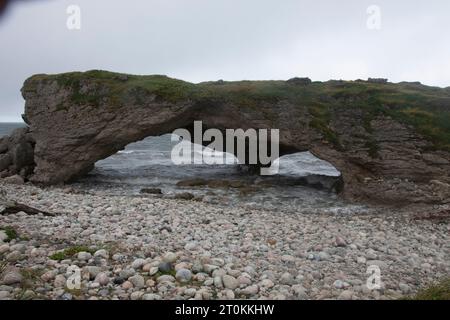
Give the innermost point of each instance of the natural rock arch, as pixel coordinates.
(77, 119)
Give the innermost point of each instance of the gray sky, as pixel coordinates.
(199, 40)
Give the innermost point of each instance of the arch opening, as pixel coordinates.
(146, 167)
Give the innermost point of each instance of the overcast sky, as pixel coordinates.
(199, 40)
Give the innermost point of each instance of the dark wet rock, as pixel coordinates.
(184, 196)
(218, 184)
(248, 190)
(192, 183)
(5, 161)
(165, 267)
(151, 190)
(238, 184)
(328, 183)
(118, 280)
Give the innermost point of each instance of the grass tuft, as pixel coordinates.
(11, 233)
(70, 252)
(438, 291)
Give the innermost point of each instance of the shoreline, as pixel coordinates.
(152, 248)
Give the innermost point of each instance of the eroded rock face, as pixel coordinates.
(76, 120)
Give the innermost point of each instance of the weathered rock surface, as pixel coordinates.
(17, 154)
(79, 118)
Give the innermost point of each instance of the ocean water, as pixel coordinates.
(7, 127)
(148, 163)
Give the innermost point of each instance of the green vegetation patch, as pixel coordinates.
(95, 87)
(438, 291)
(11, 233)
(70, 252)
(426, 109)
(434, 125)
(171, 272)
(321, 121)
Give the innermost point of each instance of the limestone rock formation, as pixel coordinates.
(389, 141)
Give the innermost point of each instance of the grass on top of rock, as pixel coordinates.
(425, 108)
(96, 87)
(70, 252)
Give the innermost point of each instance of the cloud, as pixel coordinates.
(201, 40)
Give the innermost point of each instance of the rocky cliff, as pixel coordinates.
(391, 142)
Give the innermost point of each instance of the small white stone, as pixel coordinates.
(339, 284)
(190, 292)
(137, 280)
(287, 279)
(3, 236)
(267, 283)
(165, 278)
(102, 279)
(230, 282)
(340, 242)
(404, 288)
(300, 291)
(127, 285)
(4, 248)
(12, 277)
(361, 260)
(191, 246)
(229, 294)
(244, 280)
(170, 257)
(60, 281)
(138, 264)
(209, 268)
(151, 296)
(218, 282)
(250, 290)
(84, 256)
(102, 253)
(183, 275)
(346, 295)
(137, 295)
(153, 271)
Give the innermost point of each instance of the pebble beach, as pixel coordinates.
(150, 248)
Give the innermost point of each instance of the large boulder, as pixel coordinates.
(23, 154)
(3, 144)
(15, 179)
(5, 161)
